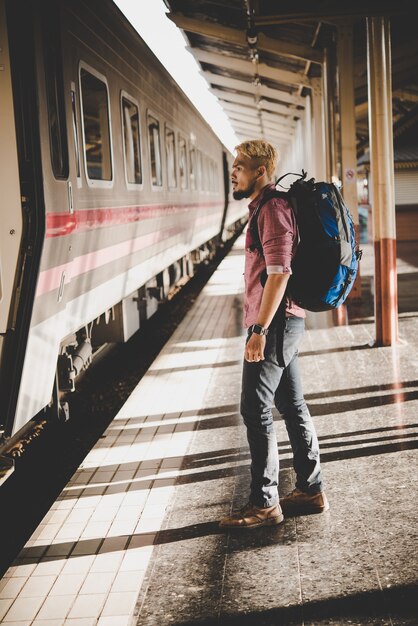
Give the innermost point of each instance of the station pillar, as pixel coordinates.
(328, 70)
(382, 178)
(345, 59)
(319, 139)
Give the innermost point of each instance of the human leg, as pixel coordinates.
(303, 439)
(308, 497)
(259, 383)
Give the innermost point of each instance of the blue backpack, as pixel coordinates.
(326, 261)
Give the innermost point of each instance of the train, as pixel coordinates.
(113, 189)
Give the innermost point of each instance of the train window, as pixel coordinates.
(50, 13)
(155, 151)
(75, 129)
(193, 169)
(209, 173)
(170, 146)
(205, 172)
(199, 170)
(213, 175)
(131, 140)
(96, 126)
(183, 163)
(205, 167)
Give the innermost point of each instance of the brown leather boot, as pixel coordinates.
(251, 516)
(301, 503)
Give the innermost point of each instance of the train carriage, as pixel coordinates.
(113, 188)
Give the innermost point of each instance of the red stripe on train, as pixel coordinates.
(60, 224)
(51, 278)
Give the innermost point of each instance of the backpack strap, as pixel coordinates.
(253, 225)
(300, 177)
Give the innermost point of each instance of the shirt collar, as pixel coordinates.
(254, 203)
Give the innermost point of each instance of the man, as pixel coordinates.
(271, 375)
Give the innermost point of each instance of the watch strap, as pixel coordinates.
(259, 330)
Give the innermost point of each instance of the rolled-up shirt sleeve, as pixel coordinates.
(277, 231)
(278, 269)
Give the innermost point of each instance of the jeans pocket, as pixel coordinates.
(292, 337)
(294, 325)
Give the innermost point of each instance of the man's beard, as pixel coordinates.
(245, 193)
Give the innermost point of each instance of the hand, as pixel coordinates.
(254, 350)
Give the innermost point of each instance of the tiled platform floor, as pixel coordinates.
(139, 517)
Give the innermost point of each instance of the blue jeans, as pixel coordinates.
(276, 381)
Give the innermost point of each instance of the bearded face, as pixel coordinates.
(239, 194)
(243, 177)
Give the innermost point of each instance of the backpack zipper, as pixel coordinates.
(344, 288)
(341, 207)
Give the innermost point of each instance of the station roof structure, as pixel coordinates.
(260, 58)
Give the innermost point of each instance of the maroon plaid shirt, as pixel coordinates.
(278, 235)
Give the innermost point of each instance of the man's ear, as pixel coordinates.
(261, 171)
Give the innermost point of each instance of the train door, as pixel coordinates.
(21, 212)
(10, 207)
(226, 174)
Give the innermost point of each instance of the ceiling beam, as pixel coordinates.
(280, 132)
(231, 98)
(278, 144)
(277, 119)
(234, 107)
(257, 122)
(247, 67)
(277, 141)
(251, 115)
(235, 36)
(231, 107)
(256, 128)
(241, 112)
(365, 9)
(245, 112)
(404, 55)
(255, 131)
(276, 107)
(406, 94)
(238, 118)
(262, 90)
(237, 98)
(247, 127)
(362, 109)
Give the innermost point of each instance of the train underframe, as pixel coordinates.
(115, 325)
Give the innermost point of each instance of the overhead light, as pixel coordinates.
(252, 37)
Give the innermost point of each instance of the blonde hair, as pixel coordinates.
(262, 151)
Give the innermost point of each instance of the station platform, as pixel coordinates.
(133, 538)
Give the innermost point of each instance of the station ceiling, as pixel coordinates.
(260, 58)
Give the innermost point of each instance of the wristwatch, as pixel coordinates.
(259, 330)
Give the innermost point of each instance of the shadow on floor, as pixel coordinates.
(82, 547)
(368, 608)
(358, 404)
(400, 439)
(335, 350)
(357, 390)
(232, 417)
